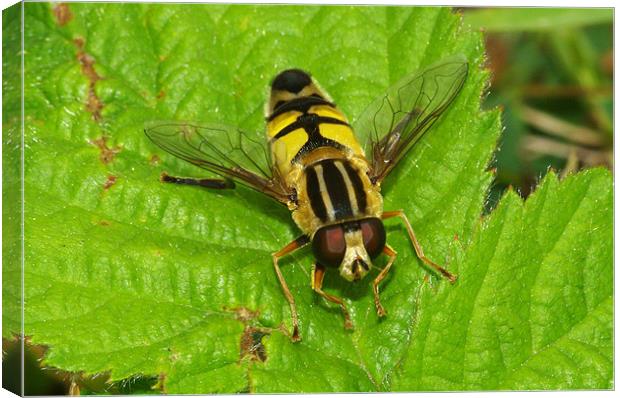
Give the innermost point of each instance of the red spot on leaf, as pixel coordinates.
(107, 153)
(93, 103)
(252, 345)
(109, 182)
(63, 14)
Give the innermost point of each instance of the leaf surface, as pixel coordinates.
(130, 276)
(11, 172)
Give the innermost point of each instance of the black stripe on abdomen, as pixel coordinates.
(301, 104)
(314, 194)
(337, 190)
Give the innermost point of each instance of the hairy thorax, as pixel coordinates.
(332, 187)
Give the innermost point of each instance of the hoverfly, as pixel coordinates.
(327, 175)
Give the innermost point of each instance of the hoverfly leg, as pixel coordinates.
(212, 183)
(416, 245)
(318, 272)
(291, 247)
(387, 250)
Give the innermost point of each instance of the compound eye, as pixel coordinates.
(374, 236)
(328, 245)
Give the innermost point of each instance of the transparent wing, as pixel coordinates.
(392, 124)
(223, 150)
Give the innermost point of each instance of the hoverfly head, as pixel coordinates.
(350, 246)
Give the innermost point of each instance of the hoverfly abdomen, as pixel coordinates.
(291, 80)
(302, 118)
(315, 150)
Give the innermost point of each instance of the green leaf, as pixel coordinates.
(533, 309)
(11, 171)
(130, 276)
(536, 19)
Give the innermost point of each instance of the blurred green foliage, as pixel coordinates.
(494, 20)
(552, 74)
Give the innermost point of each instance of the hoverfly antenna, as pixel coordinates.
(291, 80)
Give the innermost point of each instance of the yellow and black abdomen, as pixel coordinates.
(315, 150)
(302, 118)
